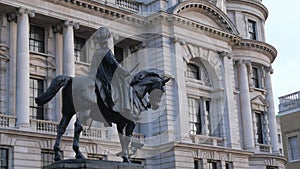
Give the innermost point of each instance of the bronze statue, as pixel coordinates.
(103, 99)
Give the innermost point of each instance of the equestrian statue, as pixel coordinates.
(109, 94)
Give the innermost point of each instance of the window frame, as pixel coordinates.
(193, 74)
(252, 29)
(7, 157)
(288, 147)
(79, 43)
(32, 39)
(32, 95)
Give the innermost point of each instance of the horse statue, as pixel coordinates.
(81, 97)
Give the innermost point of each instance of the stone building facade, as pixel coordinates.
(218, 110)
(289, 112)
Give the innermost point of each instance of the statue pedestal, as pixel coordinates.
(92, 164)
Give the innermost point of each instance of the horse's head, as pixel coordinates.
(151, 83)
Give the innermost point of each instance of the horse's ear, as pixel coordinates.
(166, 80)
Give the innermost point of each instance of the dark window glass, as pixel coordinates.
(193, 71)
(259, 128)
(80, 56)
(95, 156)
(272, 167)
(212, 164)
(36, 39)
(255, 77)
(36, 88)
(252, 29)
(196, 164)
(4, 158)
(119, 54)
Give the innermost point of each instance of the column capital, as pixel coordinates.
(225, 54)
(269, 69)
(22, 11)
(68, 23)
(58, 29)
(243, 62)
(12, 17)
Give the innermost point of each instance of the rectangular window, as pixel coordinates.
(3, 158)
(255, 77)
(36, 39)
(80, 56)
(279, 138)
(36, 88)
(259, 127)
(228, 165)
(194, 113)
(47, 157)
(212, 164)
(252, 29)
(293, 148)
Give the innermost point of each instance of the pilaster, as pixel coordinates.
(12, 67)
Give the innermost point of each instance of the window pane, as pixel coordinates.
(36, 39)
(192, 71)
(78, 45)
(293, 148)
(252, 29)
(36, 89)
(4, 158)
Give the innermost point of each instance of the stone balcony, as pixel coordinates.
(289, 102)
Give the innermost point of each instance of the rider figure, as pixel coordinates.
(109, 74)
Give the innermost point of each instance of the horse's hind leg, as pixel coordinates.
(77, 130)
(61, 128)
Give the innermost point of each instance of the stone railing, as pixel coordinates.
(44, 126)
(263, 148)
(7, 121)
(209, 140)
(129, 4)
(289, 101)
(93, 132)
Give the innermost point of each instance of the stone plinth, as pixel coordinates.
(92, 164)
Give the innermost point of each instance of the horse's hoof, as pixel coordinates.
(79, 156)
(126, 160)
(57, 158)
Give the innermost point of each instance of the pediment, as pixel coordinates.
(259, 103)
(205, 13)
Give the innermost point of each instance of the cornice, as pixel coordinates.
(190, 24)
(100, 8)
(211, 10)
(257, 46)
(258, 5)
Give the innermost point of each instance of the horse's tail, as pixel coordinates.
(57, 83)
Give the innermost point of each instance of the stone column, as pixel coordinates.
(59, 66)
(12, 19)
(271, 111)
(245, 107)
(68, 48)
(68, 57)
(22, 62)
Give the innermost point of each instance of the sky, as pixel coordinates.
(283, 32)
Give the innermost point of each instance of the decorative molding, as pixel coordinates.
(257, 46)
(12, 17)
(68, 23)
(223, 54)
(22, 11)
(210, 10)
(58, 29)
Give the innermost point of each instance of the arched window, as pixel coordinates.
(199, 73)
(193, 71)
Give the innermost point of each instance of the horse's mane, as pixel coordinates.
(144, 74)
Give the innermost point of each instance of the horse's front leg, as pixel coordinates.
(61, 128)
(77, 130)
